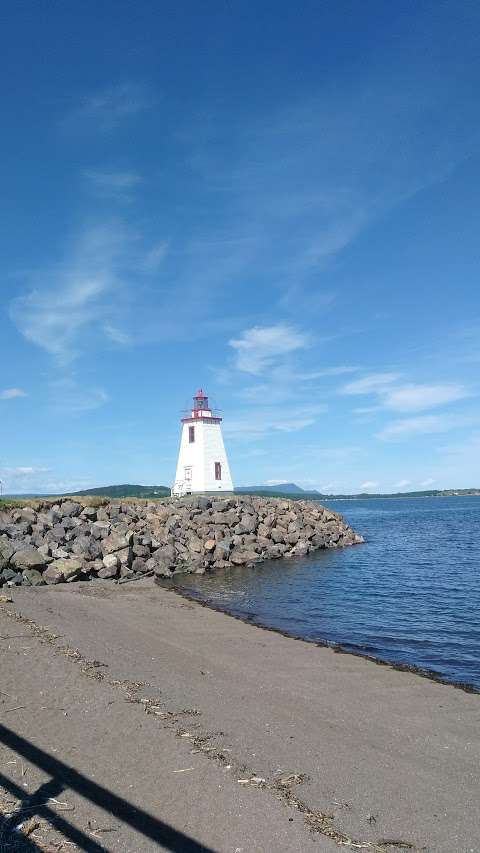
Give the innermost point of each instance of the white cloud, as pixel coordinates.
(106, 109)
(368, 484)
(417, 398)
(422, 425)
(155, 257)
(66, 303)
(328, 371)
(373, 383)
(412, 397)
(260, 346)
(401, 484)
(12, 393)
(118, 336)
(68, 396)
(112, 184)
(258, 422)
(26, 469)
(428, 482)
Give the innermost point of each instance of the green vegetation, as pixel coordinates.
(126, 491)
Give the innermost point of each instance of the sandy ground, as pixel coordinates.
(134, 720)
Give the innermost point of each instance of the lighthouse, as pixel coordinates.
(202, 460)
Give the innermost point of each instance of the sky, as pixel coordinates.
(276, 202)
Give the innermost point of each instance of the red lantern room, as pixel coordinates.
(201, 409)
(200, 403)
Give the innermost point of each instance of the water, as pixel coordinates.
(409, 595)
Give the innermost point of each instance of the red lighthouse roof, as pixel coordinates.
(201, 409)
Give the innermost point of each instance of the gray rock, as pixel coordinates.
(53, 575)
(301, 549)
(125, 556)
(140, 550)
(111, 561)
(108, 572)
(16, 580)
(28, 558)
(69, 568)
(160, 569)
(114, 543)
(100, 529)
(6, 552)
(60, 553)
(34, 577)
(139, 565)
(241, 556)
(89, 512)
(81, 545)
(277, 535)
(71, 508)
(57, 533)
(8, 574)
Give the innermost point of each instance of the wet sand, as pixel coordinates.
(182, 702)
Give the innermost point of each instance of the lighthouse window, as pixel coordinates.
(191, 434)
(218, 471)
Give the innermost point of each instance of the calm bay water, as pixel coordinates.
(409, 595)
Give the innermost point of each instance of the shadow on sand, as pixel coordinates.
(62, 777)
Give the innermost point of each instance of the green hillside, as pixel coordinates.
(126, 490)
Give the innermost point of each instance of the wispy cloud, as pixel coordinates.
(118, 336)
(106, 109)
(402, 484)
(368, 484)
(372, 383)
(417, 398)
(270, 419)
(67, 303)
(412, 397)
(70, 396)
(422, 425)
(112, 185)
(259, 347)
(12, 393)
(428, 482)
(155, 256)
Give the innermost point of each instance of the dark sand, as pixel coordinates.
(389, 755)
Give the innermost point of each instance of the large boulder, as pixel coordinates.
(28, 558)
(240, 556)
(6, 552)
(68, 569)
(33, 577)
(113, 543)
(111, 565)
(71, 508)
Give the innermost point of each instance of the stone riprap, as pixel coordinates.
(67, 541)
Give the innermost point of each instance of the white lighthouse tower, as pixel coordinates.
(202, 461)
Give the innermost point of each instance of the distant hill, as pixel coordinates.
(284, 488)
(126, 491)
(301, 494)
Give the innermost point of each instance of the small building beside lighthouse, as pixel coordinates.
(202, 460)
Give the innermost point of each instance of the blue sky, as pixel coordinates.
(277, 203)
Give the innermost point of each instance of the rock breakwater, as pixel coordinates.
(50, 543)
